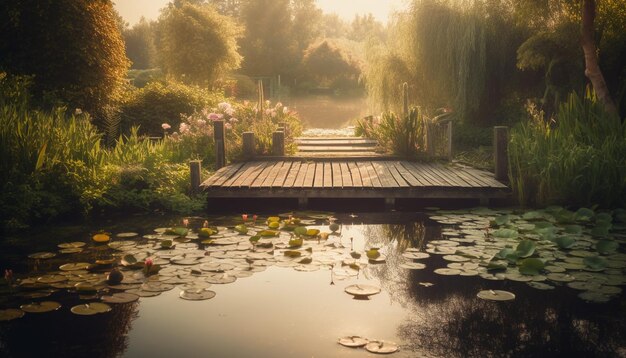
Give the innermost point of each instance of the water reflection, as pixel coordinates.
(448, 320)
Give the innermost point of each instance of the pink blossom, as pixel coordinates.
(174, 136)
(273, 113)
(214, 116)
(278, 105)
(246, 102)
(223, 106)
(244, 217)
(228, 126)
(8, 276)
(165, 126)
(78, 111)
(149, 263)
(230, 111)
(254, 217)
(234, 120)
(285, 110)
(184, 128)
(268, 111)
(201, 122)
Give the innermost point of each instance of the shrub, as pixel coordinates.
(576, 158)
(401, 136)
(159, 103)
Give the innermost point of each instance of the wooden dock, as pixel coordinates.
(377, 178)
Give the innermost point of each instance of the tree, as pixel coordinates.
(326, 63)
(306, 19)
(196, 43)
(592, 67)
(73, 48)
(140, 47)
(268, 46)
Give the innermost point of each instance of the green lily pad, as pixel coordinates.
(353, 341)
(595, 262)
(90, 309)
(362, 290)
(197, 294)
(267, 233)
(496, 295)
(584, 214)
(178, 231)
(372, 254)
(41, 307)
(300, 230)
(607, 246)
(573, 229)
(10, 314)
(296, 242)
(293, 253)
(531, 266)
(381, 347)
(505, 233)
(565, 242)
(242, 229)
(206, 232)
(501, 220)
(525, 248)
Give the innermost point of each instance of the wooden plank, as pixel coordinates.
(346, 176)
(337, 178)
(451, 177)
(260, 179)
(293, 173)
(243, 172)
(386, 180)
(365, 176)
(373, 175)
(219, 177)
(299, 182)
(435, 173)
(271, 177)
(486, 178)
(310, 176)
(406, 175)
(484, 182)
(423, 175)
(334, 148)
(281, 176)
(355, 174)
(473, 182)
(395, 174)
(254, 173)
(319, 176)
(328, 174)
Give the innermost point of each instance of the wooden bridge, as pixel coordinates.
(349, 168)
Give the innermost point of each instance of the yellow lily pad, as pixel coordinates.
(41, 307)
(90, 309)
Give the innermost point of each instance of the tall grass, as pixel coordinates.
(577, 158)
(401, 136)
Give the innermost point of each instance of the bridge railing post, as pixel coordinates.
(249, 150)
(500, 152)
(449, 135)
(220, 143)
(195, 169)
(278, 143)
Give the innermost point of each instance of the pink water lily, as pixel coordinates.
(244, 217)
(165, 126)
(148, 264)
(8, 276)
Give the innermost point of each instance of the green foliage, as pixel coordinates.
(576, 158)
(158, 103)
(402, 136)
(73, 48)
(197, 44)
(140, 47)
(330, 65)
(140, 78)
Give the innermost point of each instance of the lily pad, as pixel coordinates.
(120, 297)
(71, 245)
(447, 271)
(41, 307)
(10, 314)
(525, 248)
(177, 231)
(606, 246)
(595, 262)
(42, 255)
(362, 291)
(531, 266)
(353, 341)
(90, 309)
(197, 294)
(372, 254)
(381, 347)
(52, 279)
(506, 233)
(74, 266)
(242, 229)
(496, 295)
(565, 242)
(412, 266)
(415, 255)
(101, 238)
(126, 235)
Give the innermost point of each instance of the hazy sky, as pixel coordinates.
(132, 10)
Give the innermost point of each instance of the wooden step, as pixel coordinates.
(333, 148)
(335, 142)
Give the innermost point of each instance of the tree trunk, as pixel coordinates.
(592, 68)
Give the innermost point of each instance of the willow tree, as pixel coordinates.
(197, 44)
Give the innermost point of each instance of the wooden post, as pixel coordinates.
(500, 151)
(430, 143)
(405, 100)
(220, 148)
(303, 202)
(278, 143)
(195, 167)
(449, 130)
(248, 145)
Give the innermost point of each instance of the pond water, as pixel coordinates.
(330, 112)
(276, 300)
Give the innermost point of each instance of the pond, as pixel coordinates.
(476, 282)
(330, 112)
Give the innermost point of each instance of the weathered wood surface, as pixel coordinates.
(355, 179)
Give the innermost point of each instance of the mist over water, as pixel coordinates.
(322, 111)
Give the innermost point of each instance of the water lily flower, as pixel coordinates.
(185, 222)
(205, 223)
(254, 217)
(165, 126)
(244, 217)
(148, 264)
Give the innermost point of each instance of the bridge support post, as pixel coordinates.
(500, 151)
(430, 140)
(278, 143)
(220, 147)
(248, 145)
(195, 167)
(449, 135)
(303, 203)
(390, 204)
